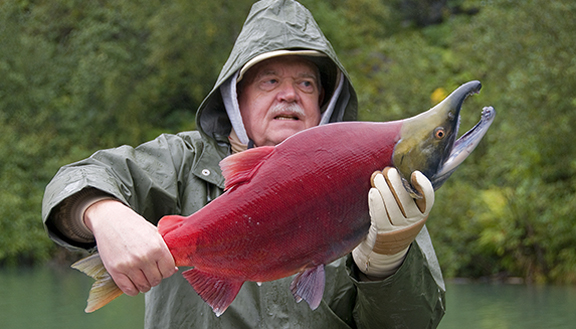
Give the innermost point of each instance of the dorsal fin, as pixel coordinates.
(170, 223)
(238, 168)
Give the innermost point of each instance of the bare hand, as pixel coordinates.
(131, 248)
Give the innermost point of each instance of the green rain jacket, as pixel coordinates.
(179, 174)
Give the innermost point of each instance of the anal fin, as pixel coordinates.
(217, 291)
(309, 286)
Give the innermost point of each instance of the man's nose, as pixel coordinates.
(287, 91)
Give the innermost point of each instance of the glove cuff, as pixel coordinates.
(393, 242)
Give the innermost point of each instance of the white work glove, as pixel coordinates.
(396, 220)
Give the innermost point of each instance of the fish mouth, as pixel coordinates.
(437, 155)
(464, 146)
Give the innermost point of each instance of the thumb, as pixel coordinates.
(424, 186)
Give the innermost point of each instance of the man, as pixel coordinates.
(282, 77)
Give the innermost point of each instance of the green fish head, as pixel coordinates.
(428, 142)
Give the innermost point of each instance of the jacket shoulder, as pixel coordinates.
(191, 140)
(192, 136)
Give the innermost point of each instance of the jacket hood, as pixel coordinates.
(274, 25)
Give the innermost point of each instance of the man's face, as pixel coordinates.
(279, 97)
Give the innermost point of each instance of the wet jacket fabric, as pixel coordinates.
(179, 174)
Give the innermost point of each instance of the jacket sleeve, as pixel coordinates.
(411, 298)
(146, 178)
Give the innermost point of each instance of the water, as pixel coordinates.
(50, 298)
(499, 306)
(55, 298)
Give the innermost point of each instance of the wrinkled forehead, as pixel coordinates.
(295, 65)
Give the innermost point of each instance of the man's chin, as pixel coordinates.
(280, 135)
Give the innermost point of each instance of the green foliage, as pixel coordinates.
(508, 209)
(77, 76)
(524, 175)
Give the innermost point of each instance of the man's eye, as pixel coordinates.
(307, 85)
(270, 81)
(268, 84)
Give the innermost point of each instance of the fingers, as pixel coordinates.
(149, 276)
(131, 248)
(397, 219)
(159, 265)
(142, 277)
(141, 272)
(391, 205)
(139, 281)
(403, 198)
(126, 285)
(132, 279)
(378, 209)
(166, 265)
(397, 205)
(424, 186)
(131, 282)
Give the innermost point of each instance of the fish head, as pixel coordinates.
(428, 142)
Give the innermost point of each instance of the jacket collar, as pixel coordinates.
(206, 167)
(273, 25)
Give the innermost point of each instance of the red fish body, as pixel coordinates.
(288, 208)
(294, 207)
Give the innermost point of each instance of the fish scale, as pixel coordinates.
(296, 231)
(296, 206)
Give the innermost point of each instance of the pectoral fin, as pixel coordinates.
(309, 286)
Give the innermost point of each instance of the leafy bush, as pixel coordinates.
(78, 76)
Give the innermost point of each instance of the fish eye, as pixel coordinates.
(439, 133)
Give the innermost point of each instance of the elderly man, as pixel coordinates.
(281, 78)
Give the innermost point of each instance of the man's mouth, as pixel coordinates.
(286, 117)
(287, 112)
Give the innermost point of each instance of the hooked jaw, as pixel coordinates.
(428, 142)
(464, 146)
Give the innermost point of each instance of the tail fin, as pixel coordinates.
(104, 290)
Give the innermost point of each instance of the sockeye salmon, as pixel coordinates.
(294, 207)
